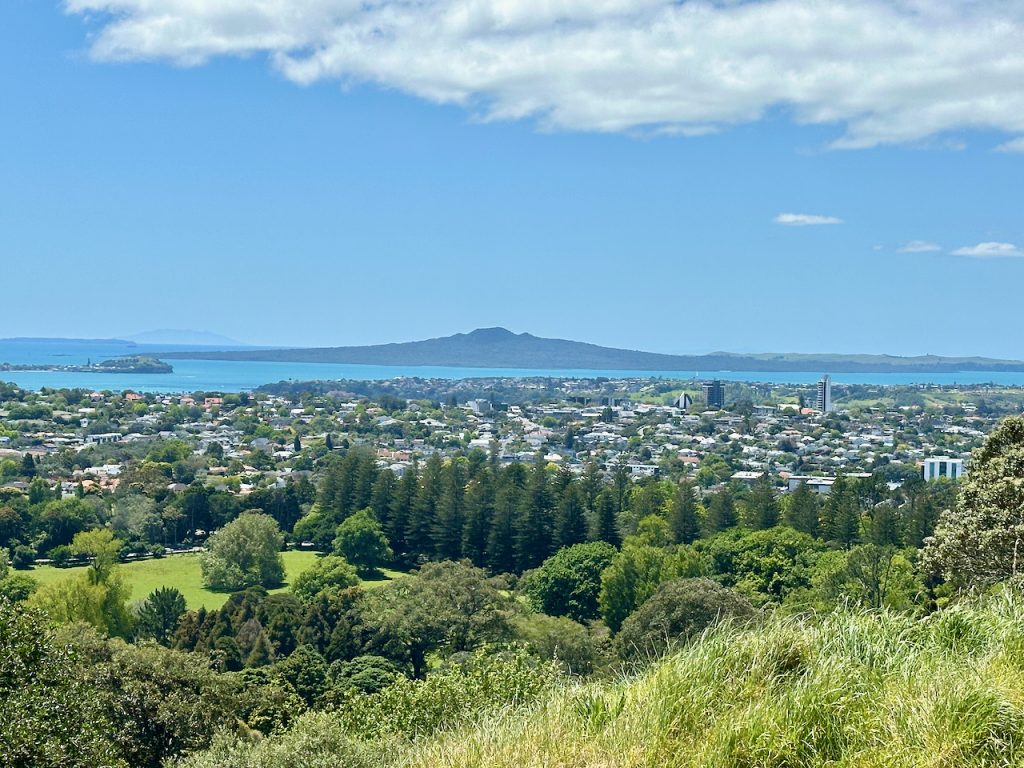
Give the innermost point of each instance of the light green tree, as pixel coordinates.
(244, 553)
(362, 542)
(99, 597)
(100, 545)
(631, 578)
(328, 572)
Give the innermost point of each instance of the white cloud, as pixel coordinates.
(919, 246)
(886, 71)
(990, 251)
(1014, 145)
(804, 219)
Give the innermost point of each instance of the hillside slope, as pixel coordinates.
(853, 689)
(500, 348)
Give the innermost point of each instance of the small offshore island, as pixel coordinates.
(132, 364)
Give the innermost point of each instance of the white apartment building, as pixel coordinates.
(943, 466)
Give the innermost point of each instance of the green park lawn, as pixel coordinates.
(182, 572)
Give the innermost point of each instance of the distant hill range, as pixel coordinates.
(500, 348)
(178, 336)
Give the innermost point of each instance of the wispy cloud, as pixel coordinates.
(990, 251)
(1014, 145)
(805, 219)
(885, 71)
(919, 246)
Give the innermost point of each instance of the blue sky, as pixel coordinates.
(260, 177)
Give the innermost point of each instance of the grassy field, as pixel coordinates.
(182, 572)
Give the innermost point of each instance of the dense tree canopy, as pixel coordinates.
(765, 565)
(449, 605)
(50, 716)
(98, 597)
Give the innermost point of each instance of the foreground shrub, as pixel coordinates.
(317, 740)
(373, 729)
(162, 703)
(449, 697)
(16, 587)
(678, 612)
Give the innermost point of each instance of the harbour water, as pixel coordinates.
(232, 376)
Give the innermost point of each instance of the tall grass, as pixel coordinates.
(849, 689)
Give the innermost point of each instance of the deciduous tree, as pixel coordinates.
(361, 542)
(569, 582)
(244, 553)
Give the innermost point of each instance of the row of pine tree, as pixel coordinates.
(511, 518)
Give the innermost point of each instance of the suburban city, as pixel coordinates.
(83, 441)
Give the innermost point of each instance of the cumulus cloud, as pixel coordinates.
(918, 246)
(990, 251)
(804, 219)
(885, 71)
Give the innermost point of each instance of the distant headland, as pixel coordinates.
(133, 364)
(501, 348)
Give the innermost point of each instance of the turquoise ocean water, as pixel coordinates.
(224, 376)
